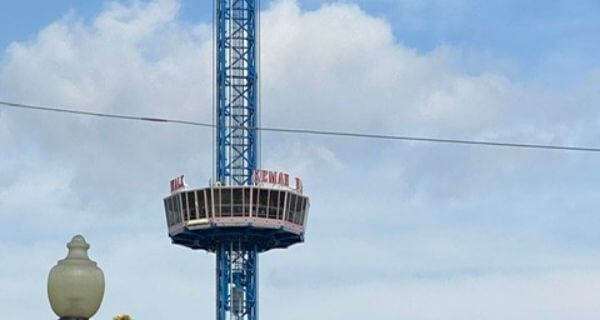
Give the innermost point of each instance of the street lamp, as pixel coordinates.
(76, 284)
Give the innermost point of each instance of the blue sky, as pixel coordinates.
(482, 233)
(531, 34)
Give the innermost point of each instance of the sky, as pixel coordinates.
(397, 230)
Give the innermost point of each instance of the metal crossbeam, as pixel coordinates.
(237, 274)
(237, 92)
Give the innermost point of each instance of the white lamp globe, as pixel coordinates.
(76, 284)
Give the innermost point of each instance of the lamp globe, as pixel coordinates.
(76, 283)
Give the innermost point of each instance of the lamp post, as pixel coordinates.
(76, 284)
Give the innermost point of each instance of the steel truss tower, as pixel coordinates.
(237, 95)
(237, 90)
(246, 211)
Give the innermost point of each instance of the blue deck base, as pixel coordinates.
(209, 239)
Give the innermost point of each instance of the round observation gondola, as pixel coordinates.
(271, 217)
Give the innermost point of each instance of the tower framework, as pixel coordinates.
(237, 90)
(246, 211)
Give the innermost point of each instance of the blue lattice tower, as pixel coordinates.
(237, 90)
(246, 211)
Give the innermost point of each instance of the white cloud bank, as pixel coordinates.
(430, 231)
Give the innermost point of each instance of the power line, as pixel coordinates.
(103, 115)
(309, 131)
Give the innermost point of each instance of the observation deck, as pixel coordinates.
(270, 216)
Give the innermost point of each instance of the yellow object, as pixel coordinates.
(76, 284)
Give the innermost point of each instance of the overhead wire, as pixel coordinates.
(308, 131)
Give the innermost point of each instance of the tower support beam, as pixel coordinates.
(237, 90)
(237, 281)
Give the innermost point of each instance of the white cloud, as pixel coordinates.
(547, 296)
